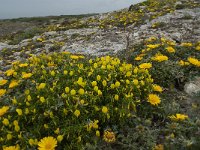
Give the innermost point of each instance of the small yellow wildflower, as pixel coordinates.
(47, 143)
(194, 61)
(13, 83)
(10, 72)
(81, 91)
(67, 89)
(186, 44)
(138, 58)
(2, 82)
(9, 136)
(77, 113)
(23, 65)
(159, 58)
(94, 83)
(5, 121)
(154, 99)
(157, 88)
(98, 77)
(151, 46)
(116, 97)
(145, 65)
(198, 48)
(98, 133)
(11, 148)
(19, 111)
(60, 138)
(26, 75)
(170, 49)
(3, 110)
(104, 83)
(109, 136)
(117, 84)
(73, 92)
(178, 117)
(2, 92)
(104, 109)
(41, 86)
(74, 57)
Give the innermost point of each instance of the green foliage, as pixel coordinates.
(66, 95)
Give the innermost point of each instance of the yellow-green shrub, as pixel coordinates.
(70, 98)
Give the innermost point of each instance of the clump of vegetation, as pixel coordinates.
(64, 99)
(173, 64)
(27, 34)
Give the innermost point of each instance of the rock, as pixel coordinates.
(3, 45)
(192, 88)
(51, 33)
(24, 42)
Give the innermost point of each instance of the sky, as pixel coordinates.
(33, 8)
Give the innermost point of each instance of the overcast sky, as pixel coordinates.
(28, 8)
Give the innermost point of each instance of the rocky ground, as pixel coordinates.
(179, 26)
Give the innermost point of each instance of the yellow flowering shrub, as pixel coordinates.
(170, 62)
(72, 101)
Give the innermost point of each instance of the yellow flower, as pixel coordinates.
(135, 82)
(5, 121)
(77, 113)
(198, 48)
(104, 83)
(2, 92)
(19, 111)
(186, 44)
(73, 92)
(26, 75)
(116, 97)
(17, 128)
(159, 147)
(2, 82)
(32, 142)
(60, 138)
(47, 143)
(42, 99)
(177, 117)
(3, 110)
(104, 109)
(81, 91)
(74, 57)
(67, 89)
(23, 65)
(13, 83)
(138, 58)
(94, 83)
(98, 77)
(10, 72)
(71, 73)
(65, 72)
(117, 84)
(151, 46)
(194, 61)
(9, 136)
(159, 58)
(41, 86)
(52, 73)
(157, 88)
(11, 148)
(145, 65)
(154, 99)
(170, 49)
(98, 133)
(109, 136)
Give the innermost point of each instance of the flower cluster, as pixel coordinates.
(53, 99)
